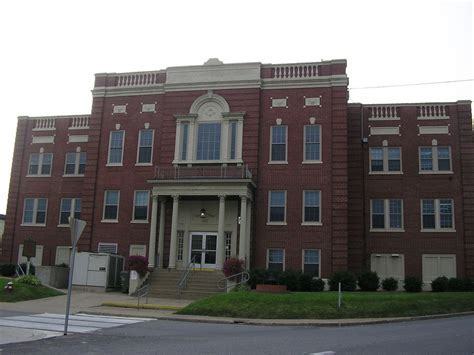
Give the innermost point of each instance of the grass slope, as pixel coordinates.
(22, 292)
(323, 305)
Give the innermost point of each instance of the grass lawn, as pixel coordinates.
(22, 292)
(323, 305)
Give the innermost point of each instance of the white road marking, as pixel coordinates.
(80, 323)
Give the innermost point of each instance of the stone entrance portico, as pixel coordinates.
(216, 204)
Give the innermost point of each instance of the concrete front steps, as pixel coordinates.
(164, 284)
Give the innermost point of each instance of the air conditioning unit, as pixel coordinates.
(98, 270)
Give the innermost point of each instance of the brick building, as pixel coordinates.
(265, 162)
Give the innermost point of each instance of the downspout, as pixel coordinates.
(364, 213)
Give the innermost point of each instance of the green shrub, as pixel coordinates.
(290, 278)
(412, 284)
(304, 282)
(28, 280)
(390, 284)
(455, 284)
(347, 280)
(317, 285)
(368, 281)
(257, 276)
(241, 287)
(468, 284)
(7, 270)
(440, 284)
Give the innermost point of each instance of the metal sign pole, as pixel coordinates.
(77, 227)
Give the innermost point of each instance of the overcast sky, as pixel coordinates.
(50, 50)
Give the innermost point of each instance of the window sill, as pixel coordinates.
(385, 172)
(143, 164)
(440, 230)
(276, 223)
(63, 225)
(194, 162)
(114, 164)
(139, 221)
(311, 224)
(431, 172)
(109, 221)
(39, 176)
(312, 162)
(72, 175)
(278, 162)
(379, 230)
(32, 225)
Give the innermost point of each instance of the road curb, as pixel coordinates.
(285, 322)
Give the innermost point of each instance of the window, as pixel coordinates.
(140, 205)
(276, 259)
(184, 140)
(437, 214)
(311, 207)
(277, 213)
(145, 146)
(311, 262)
(278, 144)
(209, 141)
(40, 164)
(111, 205)
(116, 148)
(34, 211)
(180, 245)
(385, 160)
(435, 159)
(70, 207)
(312, 143)
(75, 163)
(386, 215)
(228, 244)
(233, 140)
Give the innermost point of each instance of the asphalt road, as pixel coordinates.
(438, 336)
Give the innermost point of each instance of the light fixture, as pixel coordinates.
(239, 220)
(203, 213)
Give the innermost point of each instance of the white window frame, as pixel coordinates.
(77, 162)
(385, 160)
(276, 223)
(319, 258)
(71, 212)
(316, 161)
(311, 223)
(123, 148)
(434, 153)
(103, 208)
(270, 161)
(223, 141)
(107, 245)
(386, 210)
(147, 207)
(35, 212)
(268, 257)
(41, 155)
(152, 145)
(437, 216)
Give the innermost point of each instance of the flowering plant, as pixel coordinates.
(138, 263)
(233, 266)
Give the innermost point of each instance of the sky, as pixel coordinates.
(50, 50)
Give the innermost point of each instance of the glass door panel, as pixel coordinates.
(210, 250)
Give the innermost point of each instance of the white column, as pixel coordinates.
(220, 235)
(249, 221)
(177, 141)
(152, 243)
(161, 235)
(243, 228)
(225, 141)
(174, 233)
(240, 137)
(191, 134)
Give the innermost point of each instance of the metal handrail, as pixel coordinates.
(183, 281)
(244, 277)
(142, 292)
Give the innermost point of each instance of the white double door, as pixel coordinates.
(203, 249)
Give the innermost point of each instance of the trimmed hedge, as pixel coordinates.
(390, 284)
(412, 284)
(368, 281)
(347, 280)
(294, 280)
(7, 270)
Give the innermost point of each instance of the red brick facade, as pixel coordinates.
(342, 176)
